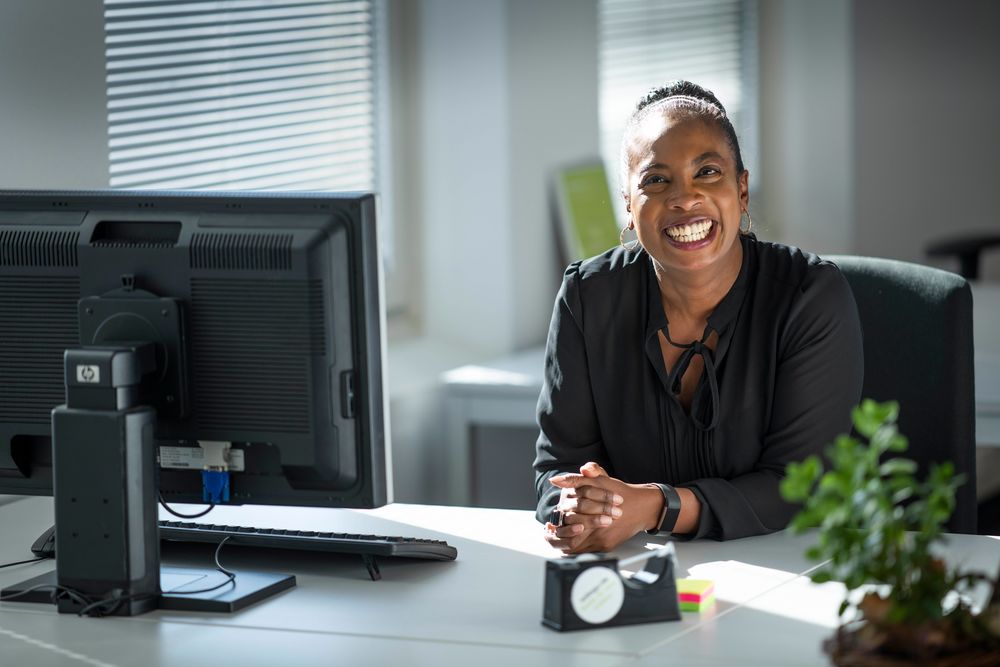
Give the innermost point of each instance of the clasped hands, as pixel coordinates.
(600, 512)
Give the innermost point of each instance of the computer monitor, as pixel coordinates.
(250, 322)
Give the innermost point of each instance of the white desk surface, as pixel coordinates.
(796, 618)
(484, 608)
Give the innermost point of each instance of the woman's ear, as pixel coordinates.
(744, 186)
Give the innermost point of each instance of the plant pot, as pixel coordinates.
(854, 645)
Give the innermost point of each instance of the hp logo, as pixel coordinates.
(88, 374)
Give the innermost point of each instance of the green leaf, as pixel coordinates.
(821, 577)
(870, 415)
(898, 443)
(797, 484)
(897, 466)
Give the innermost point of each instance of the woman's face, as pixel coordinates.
(684, 195)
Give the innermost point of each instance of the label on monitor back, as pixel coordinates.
(193, 458)
(597, 595)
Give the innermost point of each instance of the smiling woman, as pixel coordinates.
(685, 370)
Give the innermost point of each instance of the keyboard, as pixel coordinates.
(346, 543)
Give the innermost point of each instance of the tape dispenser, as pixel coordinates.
(589, 591)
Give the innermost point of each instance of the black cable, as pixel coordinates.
(22, 562)
(116, 600)
(57, 591)
(88, 605)
(218, 566)
(177, 514)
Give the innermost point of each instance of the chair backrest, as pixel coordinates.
(917, 325)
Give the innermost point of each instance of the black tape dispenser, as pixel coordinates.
(589, 591)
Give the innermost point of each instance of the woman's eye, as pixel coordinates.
(653, 180)
(708, 171)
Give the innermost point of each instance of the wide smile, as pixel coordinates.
(692, 234)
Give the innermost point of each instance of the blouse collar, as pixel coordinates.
(720, 321)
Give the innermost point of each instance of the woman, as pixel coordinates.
(686, 369)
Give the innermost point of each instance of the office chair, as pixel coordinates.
(917, 326)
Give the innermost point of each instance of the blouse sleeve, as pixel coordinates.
(569, 432)
(817, 381)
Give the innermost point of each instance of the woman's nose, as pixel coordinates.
(683, 196)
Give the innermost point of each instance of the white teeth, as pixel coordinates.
(690, 233)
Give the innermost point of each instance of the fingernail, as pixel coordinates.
(618, 500)
(577, 528)
(616, 511)
(604, 520)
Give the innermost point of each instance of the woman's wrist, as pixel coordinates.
(690, 515)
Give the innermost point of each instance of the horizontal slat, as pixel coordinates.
(242, 54)
(267, 64)
(128, 121)
(125, 52)
(327, 143)
(126, 8)
(115, 36)
(118, 93)
(193, 15)
(346, 178)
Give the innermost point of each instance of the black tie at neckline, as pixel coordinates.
(677, 373)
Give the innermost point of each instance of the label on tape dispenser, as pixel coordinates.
(597, 595)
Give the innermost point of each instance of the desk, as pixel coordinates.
(483, 609)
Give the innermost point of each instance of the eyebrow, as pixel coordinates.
(707, 155)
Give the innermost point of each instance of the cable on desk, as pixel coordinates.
(185, 516)
(114, 600)
(218, 566)
(56, 593)
(22, 562)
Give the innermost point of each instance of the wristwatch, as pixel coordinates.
(671, 510)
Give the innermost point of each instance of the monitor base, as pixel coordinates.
(247, 589)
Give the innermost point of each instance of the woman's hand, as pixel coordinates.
(600, 512)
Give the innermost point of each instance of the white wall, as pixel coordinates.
(805, 186)
(500, 94)
(927, 138)
(502, 104)
(53, 123)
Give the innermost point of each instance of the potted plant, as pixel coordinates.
(877, 525)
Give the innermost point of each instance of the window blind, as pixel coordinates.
(646, 43)
(241, 94)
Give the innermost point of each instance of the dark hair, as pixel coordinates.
(691, 100)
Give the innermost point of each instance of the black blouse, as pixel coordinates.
(779, 386)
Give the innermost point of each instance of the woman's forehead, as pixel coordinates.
(665, 135)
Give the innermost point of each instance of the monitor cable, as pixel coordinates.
(22, 562)
(177, 514)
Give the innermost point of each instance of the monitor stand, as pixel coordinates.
(246, 589)
(105, 489)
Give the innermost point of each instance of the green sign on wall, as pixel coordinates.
(588, 217)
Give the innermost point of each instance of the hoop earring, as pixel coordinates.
(632, 245)
(749, 222)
